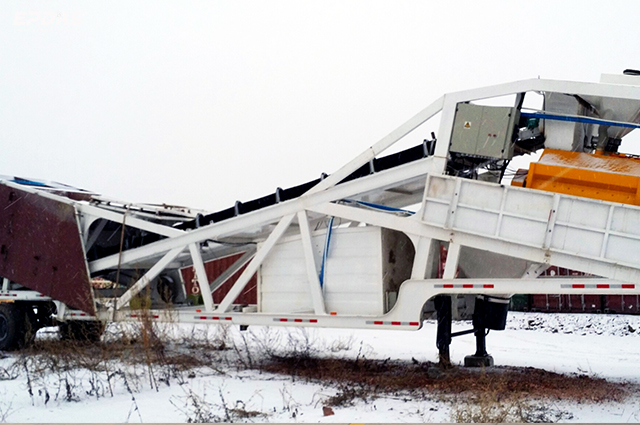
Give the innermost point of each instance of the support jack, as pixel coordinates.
(488, 314)
(481, 358)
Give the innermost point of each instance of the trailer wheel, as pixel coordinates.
(89, 331)
(12, 327)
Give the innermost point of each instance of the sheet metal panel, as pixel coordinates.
(215, 268)
(353, 279)
(40, 247)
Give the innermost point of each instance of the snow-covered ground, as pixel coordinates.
(607, 346)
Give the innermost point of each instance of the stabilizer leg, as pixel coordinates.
(443, 335)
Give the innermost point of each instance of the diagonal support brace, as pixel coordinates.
(148, 277)
(253, 266)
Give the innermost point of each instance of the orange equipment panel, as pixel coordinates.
(614, 178)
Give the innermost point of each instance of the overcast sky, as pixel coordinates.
(200, 103)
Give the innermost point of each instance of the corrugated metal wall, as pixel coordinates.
(214, 269)
(627, 304)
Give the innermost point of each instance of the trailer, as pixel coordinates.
(381, 243)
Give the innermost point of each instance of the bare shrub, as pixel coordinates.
(341, 344)
(197, 409)
(129, 355)
(6, 407)
(10, 373)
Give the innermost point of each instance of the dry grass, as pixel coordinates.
(147, 354)
(362, 378)
(130, 357)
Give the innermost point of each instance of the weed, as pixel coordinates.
(367, 379)
(128, 356)
(6, 407)
(197, 409)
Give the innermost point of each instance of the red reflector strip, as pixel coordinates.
(389, 323)
(598, 286)
(298, 320)
(205, 318)
(463, 285)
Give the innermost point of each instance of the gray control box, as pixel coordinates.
(484, 131)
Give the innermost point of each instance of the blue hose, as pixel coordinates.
(325, 254)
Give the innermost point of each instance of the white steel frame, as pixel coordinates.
(445, 215)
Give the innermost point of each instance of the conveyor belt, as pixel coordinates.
(415, 153)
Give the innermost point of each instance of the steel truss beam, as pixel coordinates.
(320, 200)
(374, 182)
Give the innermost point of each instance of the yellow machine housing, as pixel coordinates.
(614, 178)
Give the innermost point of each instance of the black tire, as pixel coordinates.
(81, 331)
(13, 323)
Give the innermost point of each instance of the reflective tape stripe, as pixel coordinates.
(463, 285)
(390, 323)
(285, 319)
(212, 318)
(598, 286)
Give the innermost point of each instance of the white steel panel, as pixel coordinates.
(440, 188)
(528, 203)
(583, 213)
(580, 230)
(480, 222)
(626, 250)
(295, 302)
(435, 213)
(352, 276)
(358, 303)
(521, 230)
(579, 241)
(490, 199)
(625, 220)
